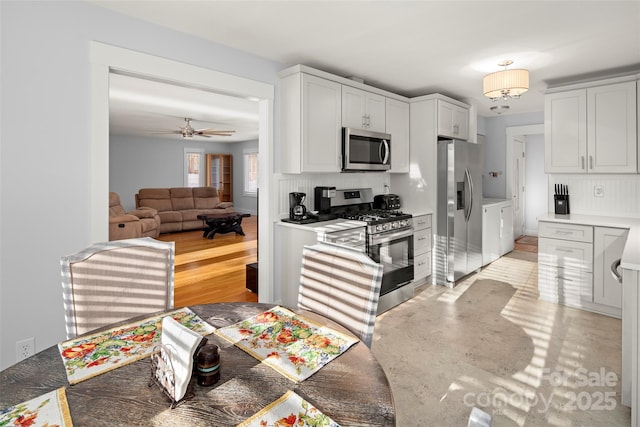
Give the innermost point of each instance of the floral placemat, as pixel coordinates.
(90, 355)
(49, 409)
(294, 346)
(289, 410)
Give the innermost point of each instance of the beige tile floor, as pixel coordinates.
(490, 343)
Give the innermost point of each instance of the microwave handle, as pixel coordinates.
(385, 157)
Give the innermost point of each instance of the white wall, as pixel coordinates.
(44, 173)
(495, 149)
(535, 183)
(242, 203)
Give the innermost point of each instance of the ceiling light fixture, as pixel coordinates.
(499, 109)
(505, 84)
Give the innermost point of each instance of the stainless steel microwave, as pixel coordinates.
(363, 150)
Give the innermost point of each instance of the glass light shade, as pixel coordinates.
(506, 83)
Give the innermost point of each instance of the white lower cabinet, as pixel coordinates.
(497, 230)
(574, 266)
(291, 241)
(421, 247)
(608, 244)
(565, 263)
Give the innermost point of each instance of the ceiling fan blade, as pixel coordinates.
(179, 132)
(215, 132)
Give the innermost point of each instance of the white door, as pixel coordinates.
(518, 188)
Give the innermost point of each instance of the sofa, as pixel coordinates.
(179, 207)
(142, 222)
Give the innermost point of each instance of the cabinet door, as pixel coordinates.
(321, 125)
(461, 122)
(570, 286)
(611, 129)
(376, 112)
(422, 265)
(565, 132)
(608, 244)
(422, 241)
(506, 229)
(353, 108)
(362, 109)
(397, 119)
(421, 222)
(453, 120)
(490, 234)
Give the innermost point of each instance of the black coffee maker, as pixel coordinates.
(323, 196)
(297, 210)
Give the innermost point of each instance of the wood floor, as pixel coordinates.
(213, 270)
(527, 244)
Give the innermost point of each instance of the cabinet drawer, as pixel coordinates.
(422, 265)
(565, 254)
(421, 221)
(578, 233)
(565, 285)
(422, 241)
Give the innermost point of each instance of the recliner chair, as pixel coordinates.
(141, 222)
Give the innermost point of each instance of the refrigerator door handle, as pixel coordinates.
(469, 206)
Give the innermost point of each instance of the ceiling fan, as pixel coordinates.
(187, 131)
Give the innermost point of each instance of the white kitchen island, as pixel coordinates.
(574, 235)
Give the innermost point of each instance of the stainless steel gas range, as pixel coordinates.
(389, 241)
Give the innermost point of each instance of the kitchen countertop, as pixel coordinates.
(491, 202)
(631, 253)
(322, 227)
(418, 213)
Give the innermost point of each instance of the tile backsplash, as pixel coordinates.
(607, 195)
(305, 183)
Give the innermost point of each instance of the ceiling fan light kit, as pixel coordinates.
(506, 83)
(499, 109)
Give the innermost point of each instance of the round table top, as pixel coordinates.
(353, 389)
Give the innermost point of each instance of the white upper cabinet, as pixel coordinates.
(363, 110)
(453, 120)
(592, 130)
(311, 124)
(397, 119)
(565, 128)
(611, 128)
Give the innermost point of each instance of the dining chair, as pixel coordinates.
(113, 281)
(342, 284)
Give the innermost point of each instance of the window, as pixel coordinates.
(250, 171)
(193, 159)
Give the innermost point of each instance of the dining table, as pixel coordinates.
(352, 389)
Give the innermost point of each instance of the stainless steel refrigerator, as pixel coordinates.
(459, 210)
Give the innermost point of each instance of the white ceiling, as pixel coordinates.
(149, 108)
(419, 47)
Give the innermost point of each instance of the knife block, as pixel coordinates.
(561, 204)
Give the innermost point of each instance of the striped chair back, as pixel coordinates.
(343, 285)
(114, 281)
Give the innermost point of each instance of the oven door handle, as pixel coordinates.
(376, 239)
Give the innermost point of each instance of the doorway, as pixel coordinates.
(106, 58)
(520, 182)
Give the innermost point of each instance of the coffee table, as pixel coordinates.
(222, 223)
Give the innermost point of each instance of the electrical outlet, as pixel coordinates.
(25, 348)
(598, 191)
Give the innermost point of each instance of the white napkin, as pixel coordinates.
(181, 343)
